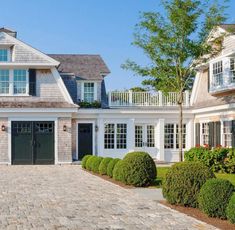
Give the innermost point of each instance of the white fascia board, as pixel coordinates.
(38, 110)
(61, 85)
(131, 111)
(32, 65)
(214, 108)
(222, 56)
(34, 50)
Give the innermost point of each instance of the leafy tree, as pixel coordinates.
(138, 89)
(175, 42)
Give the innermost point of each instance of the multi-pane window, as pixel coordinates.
(232, 69)
(217, 73)
(172, 136)
(150, 136)
(115, 135)
(89, 92)
(121, 136)
(3, 55)
(138, 136)
(183, 134)
(20, 81)
(205, 133)
(227, 133)
(109, 136)
(4, 81)
(169, 136)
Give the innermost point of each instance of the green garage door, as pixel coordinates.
(32, 142)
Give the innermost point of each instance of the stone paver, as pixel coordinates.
(66, 197)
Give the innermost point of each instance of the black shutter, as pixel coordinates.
(233, 133)
(211, 134)
(197, 134)
(217, 133)
(32, 82)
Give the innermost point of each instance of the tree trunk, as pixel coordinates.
(180, 127)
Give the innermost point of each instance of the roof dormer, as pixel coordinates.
(9, 32)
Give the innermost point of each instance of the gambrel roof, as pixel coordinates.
(83, 66)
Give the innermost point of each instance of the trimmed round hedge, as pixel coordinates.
(111, 166)
(84, 160)
(118, 173)
(183, 183)
(230, 210)
(214, 197)
(137, 168)
(95, 164)
(89, 162)
(103, 165)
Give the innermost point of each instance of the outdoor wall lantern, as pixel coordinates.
(64, 128)
(3, 128)
(96, 128)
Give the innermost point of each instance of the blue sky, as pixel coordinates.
(102, 27)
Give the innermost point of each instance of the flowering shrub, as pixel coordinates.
(218, 159)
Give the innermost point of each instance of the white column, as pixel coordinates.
(160, 98)
(190, 134)
(100, 137)
(131, 135)
(160, 137)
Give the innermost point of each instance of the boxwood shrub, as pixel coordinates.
(214, 197)
(230, 210)
(183, 182)
(118, 172)
(95, 164)
(89, 162)
(104, 165)
(84, 160)
(111, 166)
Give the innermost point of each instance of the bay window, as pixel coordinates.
(13, 82)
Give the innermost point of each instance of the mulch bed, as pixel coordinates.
(196, 213)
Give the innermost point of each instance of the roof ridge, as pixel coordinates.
(75, 54)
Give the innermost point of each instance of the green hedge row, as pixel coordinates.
(218, 159)
(193, 184)
(136, 168)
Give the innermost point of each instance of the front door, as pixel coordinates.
(85, 140)
(32, 142)
(145, 139)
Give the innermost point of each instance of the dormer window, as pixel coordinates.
(4, 55)
(217, 77)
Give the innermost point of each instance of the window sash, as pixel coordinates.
(205, 133)
(227, 133)
(4, 55)
(89, 92)
(14, 82)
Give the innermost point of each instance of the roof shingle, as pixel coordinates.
(87, 67)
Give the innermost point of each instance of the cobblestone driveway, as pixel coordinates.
(66, 197)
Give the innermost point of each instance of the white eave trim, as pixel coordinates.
(214, 108)
(31, 64)
(38, 110)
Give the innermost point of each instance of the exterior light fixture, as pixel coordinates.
(96, 128)
(64, 128)
(3, 128)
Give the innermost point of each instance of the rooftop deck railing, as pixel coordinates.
(142, 99)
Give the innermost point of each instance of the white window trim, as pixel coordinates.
(115, 135)
(11, 85)
(95, 89)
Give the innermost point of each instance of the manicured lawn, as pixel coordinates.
(161, 173)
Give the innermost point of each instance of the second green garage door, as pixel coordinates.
(33, 142)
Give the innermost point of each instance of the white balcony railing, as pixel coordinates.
(129, 98)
